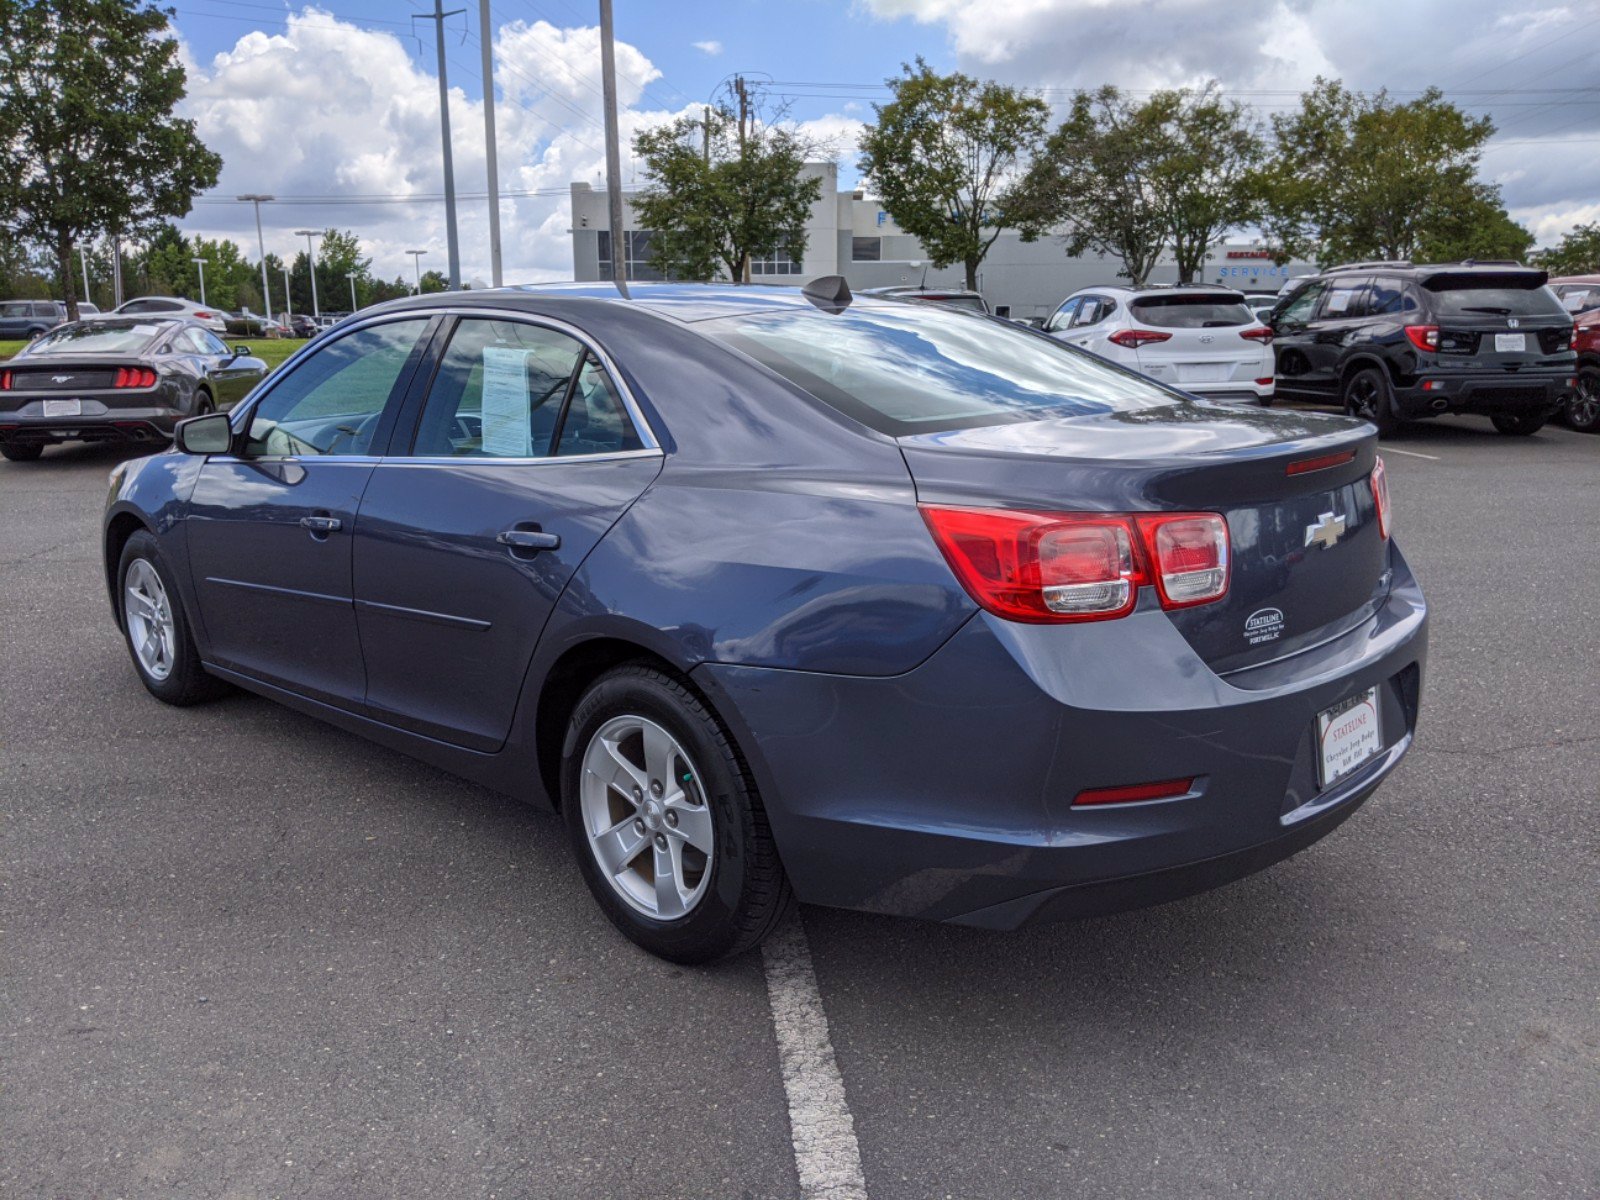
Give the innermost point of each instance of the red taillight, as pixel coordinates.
(5, 381)
(1380, 494)
(1134, 338)
(1259, 334)
(1322, 462)
(1264, 381)
(1045, 568)
(1423, 337)
(1130, 793)
(135, 377)
(204, 316)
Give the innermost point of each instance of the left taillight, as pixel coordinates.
(1380, 496)
(5, 381)
(135, 377)
(1259, 333)
(1046, 568)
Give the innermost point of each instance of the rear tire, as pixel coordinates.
(1368, 397)
(21, 451)
(1519, 424)
(1582, 411)
(157, 629)
(642, 802)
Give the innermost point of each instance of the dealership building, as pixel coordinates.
(850, 234)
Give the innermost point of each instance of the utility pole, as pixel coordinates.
(491, 156)
(311, 262)
(261, 245)
(83, 257)
(608, 90)
(351, 276)
(744, 112)
(288, 300)
(116, 271)
(416, 263)
(437, 16)
(201, 263)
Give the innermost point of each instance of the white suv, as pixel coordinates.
(1199, 339)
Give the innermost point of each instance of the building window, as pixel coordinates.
(776, 263)
(637, 263)
(866, 249)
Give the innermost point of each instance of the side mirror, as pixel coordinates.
(211, 433)
(241, 351)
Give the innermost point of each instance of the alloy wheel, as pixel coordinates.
(1364, 397)
(149, 615)
(1583, 410)
(646, 817)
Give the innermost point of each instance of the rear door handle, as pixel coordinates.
(322, 524)
(529, 539)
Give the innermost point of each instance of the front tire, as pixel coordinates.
(1583, 406)
(157, 629)
(21, 451)
(665, 820)
(1367, 397)
(1519, 424)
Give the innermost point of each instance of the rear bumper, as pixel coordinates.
(142, 424)
(946, 793)
(1245, 393)
(1519, 392)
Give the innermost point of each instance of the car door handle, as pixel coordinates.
(529, 539)
(322, 524)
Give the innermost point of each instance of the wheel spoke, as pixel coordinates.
(694, 826)
(617, 773)
(659, 751)
(669, 876)
(618, 846)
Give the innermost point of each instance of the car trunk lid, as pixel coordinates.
(1501, 320)
(1202, 344)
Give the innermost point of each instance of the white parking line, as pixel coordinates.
(826, 1154)
(1407, 453)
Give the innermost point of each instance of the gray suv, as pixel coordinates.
(24, 320)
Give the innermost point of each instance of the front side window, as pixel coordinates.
(331, 402)
(912, 368)
(1302, 304)
(1062, 317)
(14, 310)
(1093, 310)
(499, 391)
(212, 343)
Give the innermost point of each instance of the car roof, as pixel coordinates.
(1156, 289)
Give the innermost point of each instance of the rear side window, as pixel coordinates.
(1493, 296)
(1389, 296)
(1346, 298)
(903, 369)
(1191, 312)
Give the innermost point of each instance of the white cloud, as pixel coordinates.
(711, 48)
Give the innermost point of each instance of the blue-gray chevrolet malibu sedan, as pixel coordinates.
(780, 594)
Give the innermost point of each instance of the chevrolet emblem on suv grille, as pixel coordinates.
(1327, 531)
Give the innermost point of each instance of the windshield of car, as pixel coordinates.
(99, 337)
(916, 368)
(1494, 296)
(1194, 311)
(16, 309)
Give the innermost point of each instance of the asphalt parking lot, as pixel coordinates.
(245, 955)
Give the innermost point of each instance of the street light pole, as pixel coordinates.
(257, 199)
(201, 263)
(608, 97)
(416, 262)
(437, 16)
(83, 257)
(311, 260)
(351, 276)
(288, 300)
(487, 38)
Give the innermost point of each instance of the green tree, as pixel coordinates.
(1360, 176)
(722, 191)
(434, 281)
(1208, 149)
(1578, 252)
(944, 156)
(1100, 179)
(88, 141)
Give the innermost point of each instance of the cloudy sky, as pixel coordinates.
(334, 107)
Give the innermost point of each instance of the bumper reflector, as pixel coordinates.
(1130, 792)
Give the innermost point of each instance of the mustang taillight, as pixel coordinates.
(1134, 338)
(135, 377)
(1045, 568)
(1380, 494)
(5, 381)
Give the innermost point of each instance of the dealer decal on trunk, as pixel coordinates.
(1263, 625)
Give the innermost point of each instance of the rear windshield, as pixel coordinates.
(915, 368)
(1191, 312)
(1494, 296)
(102, 337)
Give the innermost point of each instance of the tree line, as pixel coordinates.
(957, 161)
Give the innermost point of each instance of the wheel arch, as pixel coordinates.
(1363, 362)
(119, 528)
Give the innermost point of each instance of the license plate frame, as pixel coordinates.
(63, 408)
(1349, 735)
(1509, 343)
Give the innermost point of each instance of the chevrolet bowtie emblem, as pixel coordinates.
(1326, 532)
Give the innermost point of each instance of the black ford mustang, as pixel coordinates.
(122, 379)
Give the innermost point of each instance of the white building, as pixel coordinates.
(850, 234)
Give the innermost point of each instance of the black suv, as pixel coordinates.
(1392, 342)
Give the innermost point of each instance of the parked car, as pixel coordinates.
(24, 319)
(1394, 342)
(214, 319)
(949, 297)
(782, 592)
(1581, 408)
(116, 380)
(1577, 293)
(1201, 339)
(302, 326)
(1261, 303)
(86, 311)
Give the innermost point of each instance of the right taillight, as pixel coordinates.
(1259, 333)
(5, 381)
(1045, 568)
(1423, 337)
(1380, 496)
(1132, 339)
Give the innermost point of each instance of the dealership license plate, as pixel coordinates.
(1203, 372)
(1348, 734)
(1504, 342)
(63, 408)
